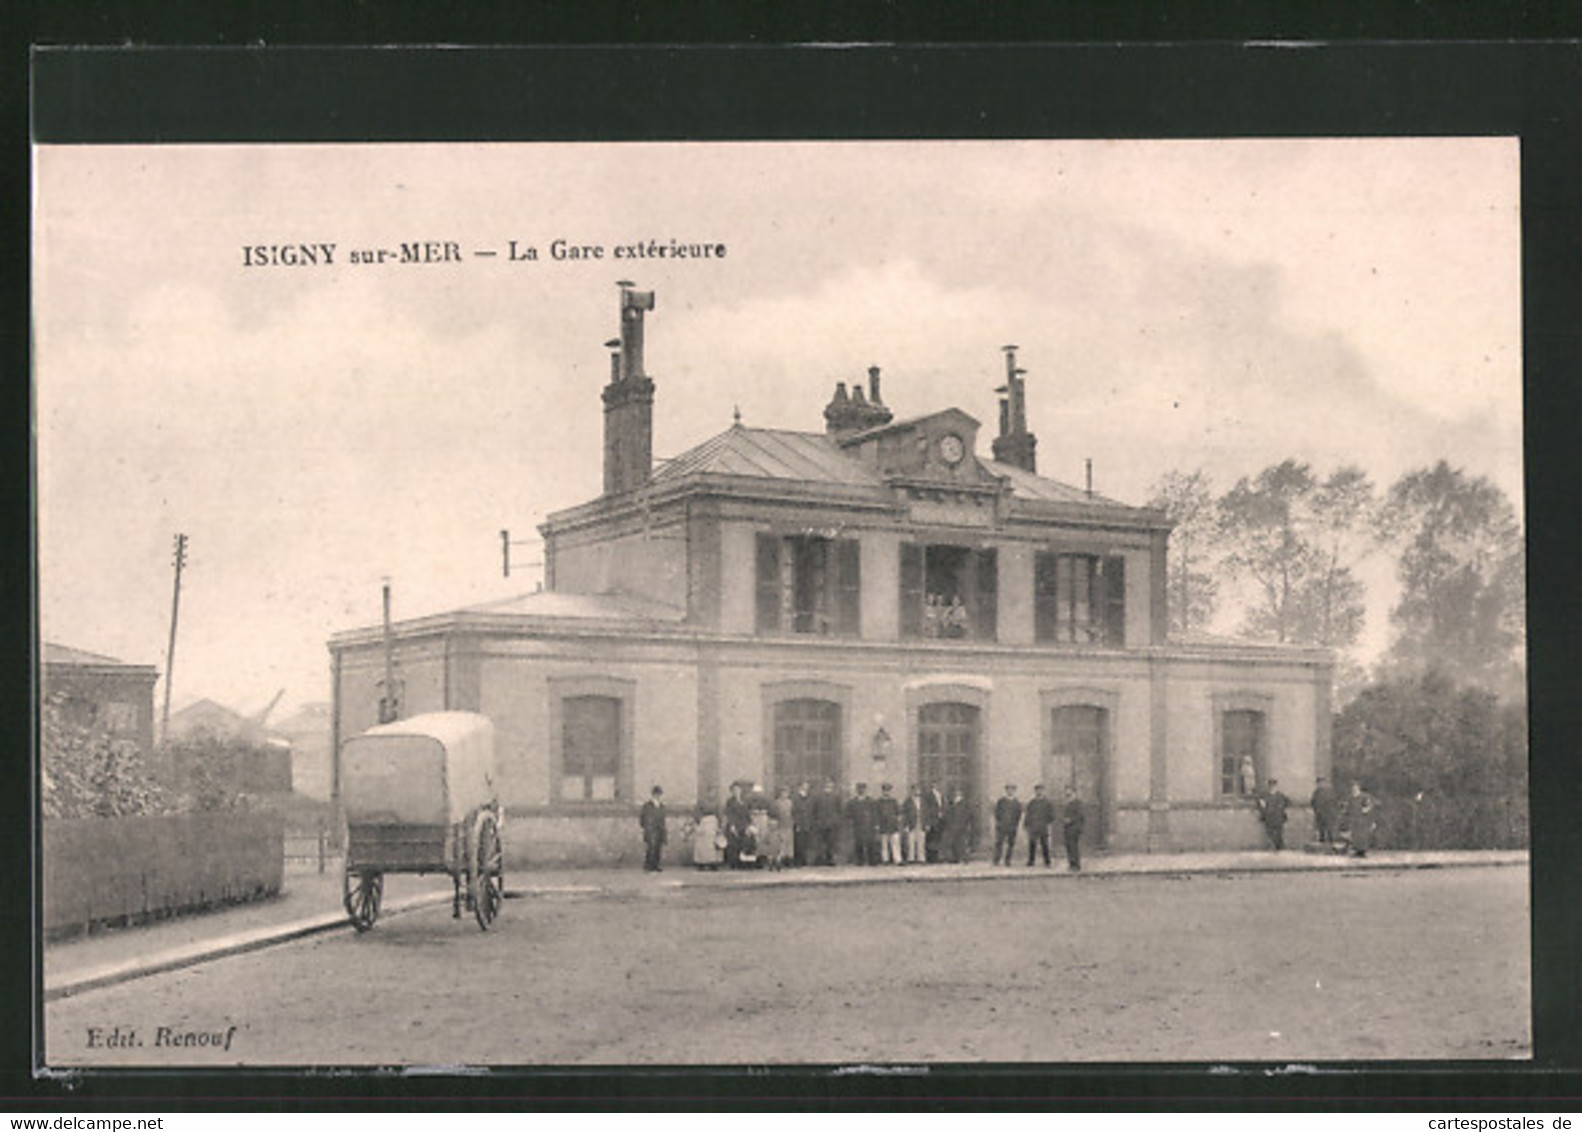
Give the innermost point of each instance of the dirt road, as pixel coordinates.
(1293, 967)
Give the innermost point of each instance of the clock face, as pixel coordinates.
(951, 449)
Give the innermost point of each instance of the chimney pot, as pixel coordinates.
(873, 385)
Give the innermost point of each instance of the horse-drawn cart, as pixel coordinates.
(419, 796)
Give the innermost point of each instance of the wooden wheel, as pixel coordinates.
(488, 871)
(363, 892)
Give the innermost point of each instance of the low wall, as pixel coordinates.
(99, 871)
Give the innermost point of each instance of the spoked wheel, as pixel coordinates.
(488, 871)
(363, 893)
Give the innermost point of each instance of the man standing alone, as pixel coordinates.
(652, 820)
(1272, 804)
(1324, 811)
(1071, 820)
(1007, 817)
(1037, 819)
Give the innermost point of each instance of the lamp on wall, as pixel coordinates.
(881, 745)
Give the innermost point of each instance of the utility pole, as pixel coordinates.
(170, 653)
(389, 703)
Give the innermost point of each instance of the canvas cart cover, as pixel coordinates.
(427, 770)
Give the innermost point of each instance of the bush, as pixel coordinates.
(87, 773)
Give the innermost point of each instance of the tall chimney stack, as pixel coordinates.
(629, 401)
(1015, 445)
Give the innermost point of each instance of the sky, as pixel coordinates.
(315, 430)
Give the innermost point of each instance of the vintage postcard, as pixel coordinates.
(782, 603)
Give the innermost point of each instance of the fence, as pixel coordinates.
(116, 871)
(1475, 821)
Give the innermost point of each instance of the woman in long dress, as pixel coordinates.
(1360, 814)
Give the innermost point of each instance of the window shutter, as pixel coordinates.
(768, 583)
(1044, 596)
(848, 591)
(1114, 612)
(911, 590)
(985, 617)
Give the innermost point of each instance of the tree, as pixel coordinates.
(1187, 499)
(1288, 534)
(1463, 599)
(85, 772)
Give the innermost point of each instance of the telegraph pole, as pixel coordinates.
(170, 653)
(389, 704)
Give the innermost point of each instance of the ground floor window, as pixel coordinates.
(806, 742)
(1079, 742)
(947, 748)
(590, 749)
(1241, 754)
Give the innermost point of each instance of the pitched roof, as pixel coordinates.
(594, 607)
(60, 654)
(771, 454)
(1029, 485)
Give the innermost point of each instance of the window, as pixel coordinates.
(590, 749)
(809, 584)
(1080, 599)
(806, 742)
(947, 747)
(949, 592)
(1241, 753)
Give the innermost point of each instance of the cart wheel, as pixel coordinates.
(488, 872)
(363, 893)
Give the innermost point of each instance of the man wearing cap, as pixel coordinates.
(1072, 818)
(914, 821)
(652, 820)
(801, 824)
(887, 814)
(1007, 817)
(864, 828)
(1038, 817)
(1325, 809)
(1271, 808)
(826, 822)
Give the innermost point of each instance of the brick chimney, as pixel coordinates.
(1015, 445)
(845, 414)
(629, 401)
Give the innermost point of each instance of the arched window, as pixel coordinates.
(947, 747)
(806, 742)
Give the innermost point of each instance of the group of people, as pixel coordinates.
(804, 827)
(1331, 816)
(942, 618)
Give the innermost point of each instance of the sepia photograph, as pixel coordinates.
(781, 603)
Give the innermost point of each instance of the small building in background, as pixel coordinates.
(101, 693)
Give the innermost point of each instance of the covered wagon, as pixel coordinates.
(420, 797)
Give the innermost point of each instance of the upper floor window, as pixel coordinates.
(1080, 599)
(809, 584)
(949, 592)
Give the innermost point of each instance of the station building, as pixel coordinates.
(872, 602)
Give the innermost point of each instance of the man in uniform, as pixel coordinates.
(864, 828)
(1272, 804)
(826, 822)
(1038, 817)
(1071, 821)
(652, 819)
(1325, 809)
(801, 824)
(1007, 817)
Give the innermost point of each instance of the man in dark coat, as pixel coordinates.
(652, 819)
(801, 824)
(1272, 805)
(861, 813)
(1072, 818)
(914, 824)
(826, 822)
(956, 829)
(738, 816)
(1326, 808)
(1007, 819)
(933, 822)
(1036, 819)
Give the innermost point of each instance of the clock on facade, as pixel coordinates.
(951, 449)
